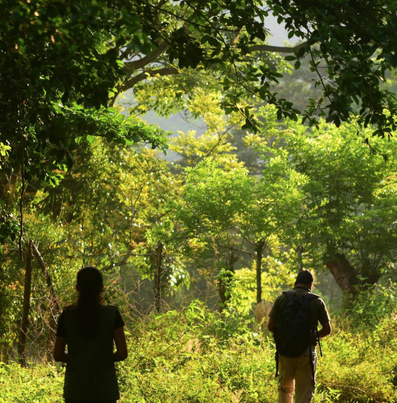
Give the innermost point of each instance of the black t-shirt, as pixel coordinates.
(61, 331)
(90, 370)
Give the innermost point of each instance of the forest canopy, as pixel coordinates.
(61, 59)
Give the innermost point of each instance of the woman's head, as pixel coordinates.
(89, 286)
(89, 281)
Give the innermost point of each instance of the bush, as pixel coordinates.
(359, 363)
(197, 356)
(356, 368)
(37, 384)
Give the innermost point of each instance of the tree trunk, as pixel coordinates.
(350, 280)
(344, 273)
(26, 306)
(224, 282)
(299, 250)
(54, 302)
(259, 252)
(157, 275)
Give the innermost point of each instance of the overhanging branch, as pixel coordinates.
(148, 73)
(144, 61)
(278, 49)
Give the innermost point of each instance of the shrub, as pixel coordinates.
(40, 383)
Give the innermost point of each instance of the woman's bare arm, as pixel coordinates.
(121, 352)
(60, 353)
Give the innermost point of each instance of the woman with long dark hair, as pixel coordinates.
(90, 330)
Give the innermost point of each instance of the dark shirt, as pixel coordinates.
(61, 331)
(90, 370)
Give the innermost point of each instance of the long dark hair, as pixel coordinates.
(89, 286)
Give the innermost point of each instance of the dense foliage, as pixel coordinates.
(194, 250)
(57, 56)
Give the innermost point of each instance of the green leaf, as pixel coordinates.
(91, 139)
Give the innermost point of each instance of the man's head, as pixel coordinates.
(305, 278)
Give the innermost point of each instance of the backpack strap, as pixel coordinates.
(319, 343)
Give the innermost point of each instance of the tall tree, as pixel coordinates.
(346, 219)
(215, 195)
(59, 61)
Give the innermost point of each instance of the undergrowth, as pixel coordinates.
(203, 357)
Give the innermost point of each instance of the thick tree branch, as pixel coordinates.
(147, 73)
(344, 273)
(144, 61)
(278, 49)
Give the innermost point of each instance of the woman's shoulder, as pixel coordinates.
(69, 310)
(111, 307)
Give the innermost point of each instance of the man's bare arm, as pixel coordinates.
(271, 325)
(325, 330)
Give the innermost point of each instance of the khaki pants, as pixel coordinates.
(297, 373)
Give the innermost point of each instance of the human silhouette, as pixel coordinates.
(297, 373)
(86, 334)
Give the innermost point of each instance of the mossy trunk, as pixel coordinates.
(350, 280)
(158, 275)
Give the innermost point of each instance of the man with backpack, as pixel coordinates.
(293, 321)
